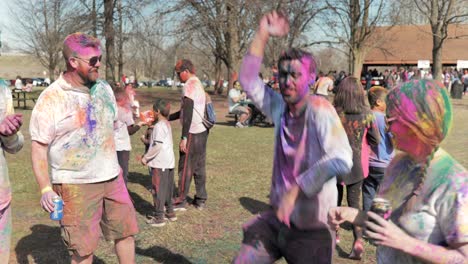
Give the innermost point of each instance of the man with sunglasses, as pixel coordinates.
(72, 131)
(192, 147)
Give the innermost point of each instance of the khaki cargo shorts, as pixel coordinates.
(90, 209)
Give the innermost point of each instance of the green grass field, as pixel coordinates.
(238, 181)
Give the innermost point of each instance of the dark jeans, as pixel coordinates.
(371, 185)
(123, 157)
(353, 197)
(163, 181)
(266, 240)
(192, 164)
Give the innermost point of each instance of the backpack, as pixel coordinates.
(209, 118)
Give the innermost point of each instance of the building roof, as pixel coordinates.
(407, 44)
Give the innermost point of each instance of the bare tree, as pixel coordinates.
(42, 34)
(221, 29)
(109, 34)
(130, 19)
(441, 14)
(91, 14)
(326, 64)
(121, 39)
(350, 26)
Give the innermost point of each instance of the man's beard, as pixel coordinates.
(87, 81)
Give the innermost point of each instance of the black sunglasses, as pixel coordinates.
(92, 61)
(179, 72)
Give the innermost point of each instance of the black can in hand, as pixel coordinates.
(381, 207)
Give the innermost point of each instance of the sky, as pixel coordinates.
(5, 19)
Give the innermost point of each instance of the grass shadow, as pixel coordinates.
(142, 206)
(44, 245)
(226, 123)
(253, 206)
(162, 255)
(347, 226)
(142, 179)
(341, 252)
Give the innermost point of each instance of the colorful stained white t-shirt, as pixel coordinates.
(193, 89)
(310, 150)
(440, 216)
(11, 144)
(122, 138)
(78, 125)
(161, 152)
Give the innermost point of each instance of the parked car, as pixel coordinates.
(163, 83)
(38, 81)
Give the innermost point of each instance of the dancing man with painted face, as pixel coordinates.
(72, 132)
(427, 188)
(311, 148)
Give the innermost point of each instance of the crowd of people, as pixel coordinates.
(81, 126)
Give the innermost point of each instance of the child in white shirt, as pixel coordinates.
(160, 159)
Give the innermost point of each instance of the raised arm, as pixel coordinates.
(272, 24)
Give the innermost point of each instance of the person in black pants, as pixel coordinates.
(381, 154)
(358, 122)
(192, 147)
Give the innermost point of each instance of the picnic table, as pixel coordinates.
(21, 97)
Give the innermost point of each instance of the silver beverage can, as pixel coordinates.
(57, 214)
(381, 207)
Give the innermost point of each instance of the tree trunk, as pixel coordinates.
(51, 73)
(358, 59)
(232, 41)
(437, 58)
(94, 18)
(121, 39)
(109, 36)
(218, 71)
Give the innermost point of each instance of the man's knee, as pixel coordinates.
(125, 240)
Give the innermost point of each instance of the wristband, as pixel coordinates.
(183, 137)
(46, 189)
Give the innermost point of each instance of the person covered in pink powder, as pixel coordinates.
(124, 127)
(426, 187)
(72, 131)
(311, 149)
(11, 141)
